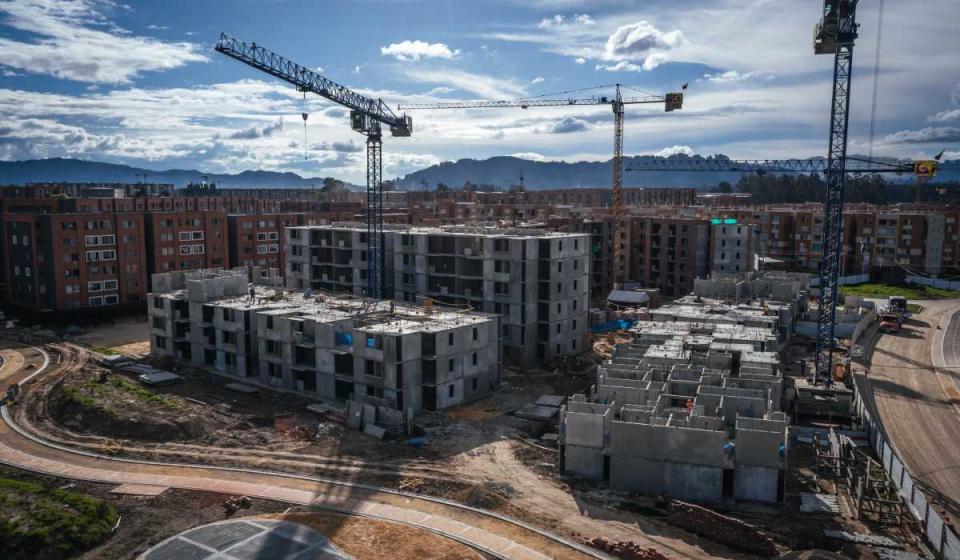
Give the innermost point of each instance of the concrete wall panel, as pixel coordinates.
(694, 483)
(755, 484)
(584, 462)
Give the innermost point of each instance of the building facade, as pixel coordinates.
(537, 281)
(329, 347)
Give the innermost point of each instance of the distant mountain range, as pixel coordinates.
(82, 171)
(505, 172)
(502, 172)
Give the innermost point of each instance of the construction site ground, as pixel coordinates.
(148, 520)
(474, 454)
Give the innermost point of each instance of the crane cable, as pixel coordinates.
(876, 80)
(304, 115)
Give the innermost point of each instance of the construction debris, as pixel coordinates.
(233, 505)
(818, 503)
(720, 528)
(862, 538)
(627, 550)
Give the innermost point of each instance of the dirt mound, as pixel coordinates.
(119, 408)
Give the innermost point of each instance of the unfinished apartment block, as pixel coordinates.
(690, 408)
(399, 356)
(537, 281)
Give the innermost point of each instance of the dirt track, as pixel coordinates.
(918, 405)
(514, 540)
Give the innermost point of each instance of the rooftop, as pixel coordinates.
(471, 231)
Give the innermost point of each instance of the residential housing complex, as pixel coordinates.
(242, 325)
(690, 408)
(537, 280)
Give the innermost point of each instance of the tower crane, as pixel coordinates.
(366, 117)
(834, 35)
(670, 101)
(919, 168)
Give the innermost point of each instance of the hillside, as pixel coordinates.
(82, 171)
(502, 172)
(505, 172)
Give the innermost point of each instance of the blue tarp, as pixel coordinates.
(608, 326)
(343, 339)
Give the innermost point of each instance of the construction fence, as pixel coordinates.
(934, 282)
(942, 539)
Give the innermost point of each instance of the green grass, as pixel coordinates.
(914, 308)
(910, 291)
(141, 393)
(105, 350)
(41, 522)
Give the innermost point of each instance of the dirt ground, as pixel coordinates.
(148, 520)
(130, 337)
(372, 539)
(468, 454)
(145, 520)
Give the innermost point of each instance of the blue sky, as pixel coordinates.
(140, 83)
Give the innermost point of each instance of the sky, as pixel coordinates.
(140, 83)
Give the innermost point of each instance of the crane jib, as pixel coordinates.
(307, 80)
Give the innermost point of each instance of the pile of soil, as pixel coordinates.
(89, 404)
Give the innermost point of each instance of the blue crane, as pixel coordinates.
(834, 35)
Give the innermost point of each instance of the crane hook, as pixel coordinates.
(304, 115)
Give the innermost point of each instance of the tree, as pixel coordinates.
(442, 188)
(333, 186)
(724, 187)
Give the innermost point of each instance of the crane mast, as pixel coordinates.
(366, 117)
(835, 34)
(671, 102)
(616, 192)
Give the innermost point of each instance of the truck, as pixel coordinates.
(898, 304)
(891, 319)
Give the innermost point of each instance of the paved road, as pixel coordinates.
(500, 537)
(918, 404)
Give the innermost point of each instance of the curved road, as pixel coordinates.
(919, 404)
(499, 536)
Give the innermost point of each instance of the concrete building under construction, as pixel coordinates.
(537, 281)
(690, 408)
(251, 330)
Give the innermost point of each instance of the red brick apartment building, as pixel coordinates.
(70, 261)
(258, 239)
(185, 240)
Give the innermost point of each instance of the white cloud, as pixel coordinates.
(415, 50)
(75, 41)
(580, 60)
(569, 124)
(734, 76)
(641, 43)
(930, 134)
(156, 27)
(487, 87)
(561, 21)
(674, 150)
(537, 80)
(254, 132)
(532, 156)
(649, 63)
(945, 116)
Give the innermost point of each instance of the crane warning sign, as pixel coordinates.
(925, 168)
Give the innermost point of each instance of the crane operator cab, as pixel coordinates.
(404, 128)
(366, 124)
(827, 34)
